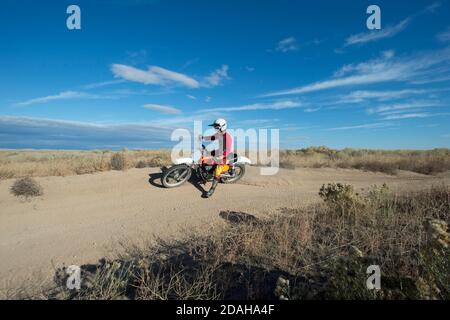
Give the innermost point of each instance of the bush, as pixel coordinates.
(6, 174)
(26, 187)
(152, 163)
(287, 163)
(340, 197)
(156, 162)
(119, 161)
(141, 164)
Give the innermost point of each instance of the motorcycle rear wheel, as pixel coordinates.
(239, 170)
(175, 176)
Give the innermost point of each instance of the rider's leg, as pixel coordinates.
(217, 173)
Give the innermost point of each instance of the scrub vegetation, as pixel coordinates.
(16, 164)
(317, 252)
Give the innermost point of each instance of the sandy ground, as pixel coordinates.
(82, 218)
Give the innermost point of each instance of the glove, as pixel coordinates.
(200, 137)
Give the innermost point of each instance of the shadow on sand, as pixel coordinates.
(155, 180)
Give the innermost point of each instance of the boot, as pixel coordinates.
(213, 188)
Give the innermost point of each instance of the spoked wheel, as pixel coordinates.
(239, 171)
(175, 176)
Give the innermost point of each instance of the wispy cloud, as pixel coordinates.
(154, 75)
(432, 7)
(258, 121)
(407, 116)
(363, 126)
(414, 115)
(389, 31)
(363, 95)
(384, 69)
(431, 79)
(66, 95)
(444, 36)
(287, 44)
(404, 106)
(375, 35)
(103, 84)
(162, 108)
(278, 105)
(216, 77)
(310, 110)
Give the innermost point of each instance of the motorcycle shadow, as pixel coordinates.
(155, 180)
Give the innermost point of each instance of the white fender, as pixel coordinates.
(244, 160)
(187, 161)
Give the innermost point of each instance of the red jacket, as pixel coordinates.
(225, 146)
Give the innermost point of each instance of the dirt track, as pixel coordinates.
(80, 218)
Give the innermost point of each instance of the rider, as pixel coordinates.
(220, 155)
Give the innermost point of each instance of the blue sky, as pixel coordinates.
(138, 69)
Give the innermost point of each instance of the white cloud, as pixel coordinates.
(309, 110)
(287, 44)
(384, 69)
(362, 95)
(387, 32)
(191, 97)
(174, 77)
(444, 36)
(432, 7)
(406, 116)
(278, 105)
(363, 126)
(431, 79)
(413, 115)
(162, 108)
(154, 75)
(102, 84)
(159, 76)
(66, 95)
(404, 106)
(216, 77)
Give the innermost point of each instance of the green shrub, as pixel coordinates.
(340, 197)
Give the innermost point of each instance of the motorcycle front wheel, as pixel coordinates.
(175, 176)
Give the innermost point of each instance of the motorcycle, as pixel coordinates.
(182, 170)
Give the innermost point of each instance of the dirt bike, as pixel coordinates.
(182, 170)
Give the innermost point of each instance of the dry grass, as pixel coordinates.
(319, 252)
(15, 164)
(425, 162)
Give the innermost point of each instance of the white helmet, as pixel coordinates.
(220, 125)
